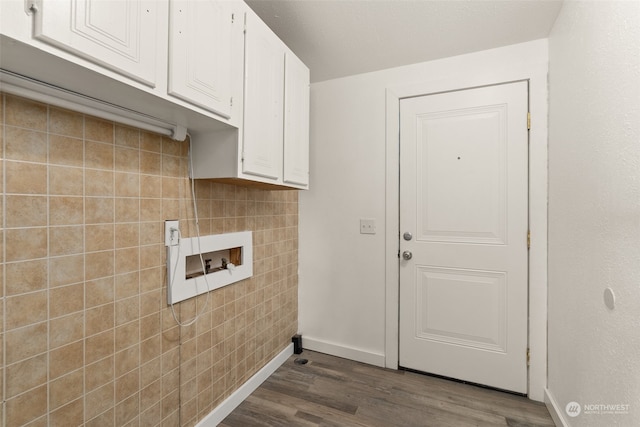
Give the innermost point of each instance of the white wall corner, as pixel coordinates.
(594, 81)
(554, 410)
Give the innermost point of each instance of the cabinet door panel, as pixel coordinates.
(263, 102)
(200, 54)
(296, 122)
(120, 35)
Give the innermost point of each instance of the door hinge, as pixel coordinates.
(529, 239)
(233, 17)
(231, 101)
(528, 357)
(528, 120)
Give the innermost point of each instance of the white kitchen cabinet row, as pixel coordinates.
(274, 145)
(223, 75)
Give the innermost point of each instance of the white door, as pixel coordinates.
(463, 199)
(119, 35)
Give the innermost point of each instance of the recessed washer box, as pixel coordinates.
(230, 258)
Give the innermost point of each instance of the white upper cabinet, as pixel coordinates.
(296, 122)
(264, 97)
(205, 48)
(211, 67)
(272, 146)
(276, 119)
(118, 35)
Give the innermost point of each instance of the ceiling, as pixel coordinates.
(337, 38)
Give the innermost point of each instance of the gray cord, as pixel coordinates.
(195, 209)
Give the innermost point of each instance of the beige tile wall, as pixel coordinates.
(87, 336)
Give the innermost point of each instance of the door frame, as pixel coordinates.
(535, 73)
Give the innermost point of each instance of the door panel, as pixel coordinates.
(462, 307)
(463, 195)
(296, 122)
(197, 75)
(120, 35)
(264, 101)
(474, 182)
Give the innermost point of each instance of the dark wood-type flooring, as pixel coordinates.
(330, 391)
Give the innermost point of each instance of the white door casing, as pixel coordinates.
(463, 193)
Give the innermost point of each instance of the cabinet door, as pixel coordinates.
(118, 35)
(200, 52)
(296, 121)
(263, 101)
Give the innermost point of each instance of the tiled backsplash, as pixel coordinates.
(87, 336)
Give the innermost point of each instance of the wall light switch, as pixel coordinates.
(367, 226)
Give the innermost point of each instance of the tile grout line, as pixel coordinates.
(139, 341)
(4, 268)
(84, 268)
(48, 394)
(113, 272)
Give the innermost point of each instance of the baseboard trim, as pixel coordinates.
(237, 397)
(554, 410)
(351, 353)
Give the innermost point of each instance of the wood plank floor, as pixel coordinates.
(330, 391)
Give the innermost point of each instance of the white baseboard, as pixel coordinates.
(237, 397)
(554, 410)
(351, 353)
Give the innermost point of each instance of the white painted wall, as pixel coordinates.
(594, 209)
(341, 291)
(347, 280)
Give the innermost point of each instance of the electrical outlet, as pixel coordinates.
(171, 233)
(367, 226)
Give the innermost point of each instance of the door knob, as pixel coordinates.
(407, 236)
(407, 255)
